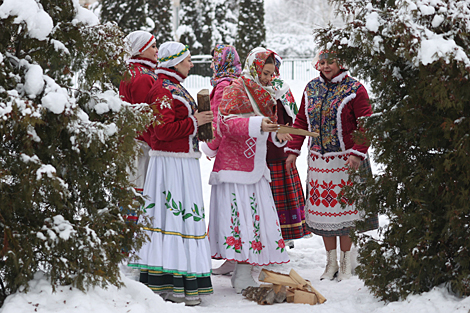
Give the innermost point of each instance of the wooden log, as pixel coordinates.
(306, 297)
(280, 292)
(277, 278)
(306, 285)
(265, 294)
(283, 129)
(204, 132)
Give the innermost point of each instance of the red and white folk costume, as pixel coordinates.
(331, 108)
(176, 260)
(134, 88)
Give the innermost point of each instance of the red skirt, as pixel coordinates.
(289, 199)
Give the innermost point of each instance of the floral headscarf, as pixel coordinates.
(283, 93)
(227, 64)
(246, 96)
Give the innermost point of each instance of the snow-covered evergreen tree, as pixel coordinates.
(225, 22)
(416, 55)
(65, 147)
(160, 12)
(194, 30)
(153, 16)
(251, 31)
(129, 15)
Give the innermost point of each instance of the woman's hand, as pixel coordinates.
(203, 117)
(353, 162)
(268, 126)
(290, 161)
(283, 137)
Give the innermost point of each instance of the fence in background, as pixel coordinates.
(200, 74)
(291, 69)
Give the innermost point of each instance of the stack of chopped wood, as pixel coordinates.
(290, 288)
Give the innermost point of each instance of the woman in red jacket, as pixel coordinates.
(135, 86)
(176, 261)
(331, 105)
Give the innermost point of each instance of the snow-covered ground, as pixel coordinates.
(307, 258)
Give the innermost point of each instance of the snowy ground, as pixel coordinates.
(307, 258)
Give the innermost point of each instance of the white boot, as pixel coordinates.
(331, 265)
(241, 277)
(226, 268)
(345, 266)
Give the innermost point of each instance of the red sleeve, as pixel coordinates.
(361, 107)
(176, 122)
(294, 145)
(141, 87)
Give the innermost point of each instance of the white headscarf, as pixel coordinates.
(171, 53)
(138, 41)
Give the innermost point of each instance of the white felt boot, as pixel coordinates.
(241, 277)
(226, 268)
(331, 265)
(345, 266)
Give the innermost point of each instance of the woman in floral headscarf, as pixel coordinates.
(332, 104)
(227, 68)
(246, 227)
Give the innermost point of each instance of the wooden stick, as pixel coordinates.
(283, 129)
(204, 132)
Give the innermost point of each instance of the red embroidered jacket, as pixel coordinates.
(177, 135)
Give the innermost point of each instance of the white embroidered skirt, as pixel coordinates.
(178, 241)
(244, 224)
(324, 215)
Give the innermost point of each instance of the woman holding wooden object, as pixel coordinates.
(176, 262)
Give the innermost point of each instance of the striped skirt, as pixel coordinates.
(289, 199)
(176, 259)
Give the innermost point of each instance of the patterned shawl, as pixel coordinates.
(283, 93)
(227, 64)
(246, 96)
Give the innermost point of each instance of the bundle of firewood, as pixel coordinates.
(282, 287)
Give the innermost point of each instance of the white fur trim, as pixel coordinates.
(148, 63)
(195, 125)
(191, 154)
(190, 112)
(306, 116)
(292, 150)
(172, 74)
(276, 141)
(355, 152)
(338, 119)
(254, 128)
(207, 151)
(340, 77)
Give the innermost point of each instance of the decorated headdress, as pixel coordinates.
(138, 41)
(227, 64)
(171, 53)
(325, 55)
